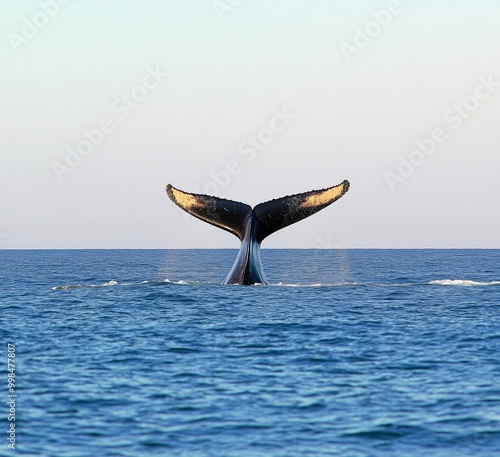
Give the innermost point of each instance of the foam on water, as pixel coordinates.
(339, 284)
(86, 286)
(463, 282)
(124, 284)
(440, 282)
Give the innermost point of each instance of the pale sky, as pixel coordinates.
(103, 103)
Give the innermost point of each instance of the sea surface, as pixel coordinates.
(350, 353)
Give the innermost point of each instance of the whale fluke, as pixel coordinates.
(282, 212)
(225, 214)
(252, 226)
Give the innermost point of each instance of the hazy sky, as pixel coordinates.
(103, 103)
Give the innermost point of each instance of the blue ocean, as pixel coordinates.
(350, 353)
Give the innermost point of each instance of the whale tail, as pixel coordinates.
(270, 216)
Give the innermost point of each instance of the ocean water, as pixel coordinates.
(348, 353)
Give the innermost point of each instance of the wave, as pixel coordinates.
(159, 282)
(85, 286)
(163, 282)
(463, 282)
(338, 284)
